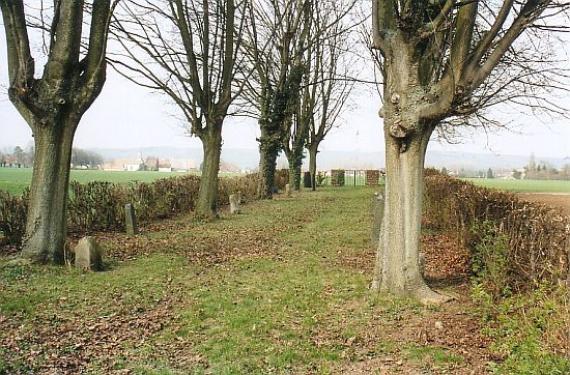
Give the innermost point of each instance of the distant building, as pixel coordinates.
(151, 163)
(183, 165)
(165, 166)
(131, 165)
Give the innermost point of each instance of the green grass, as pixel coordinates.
(292, 309)
(527, 186)
(430, 355)
(293, 300)
(15, 180)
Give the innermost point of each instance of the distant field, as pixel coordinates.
(527, 186)
(15, 180)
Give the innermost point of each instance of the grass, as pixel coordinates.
(290, 309)
(526, 186)
(15, 180)
(292, 298)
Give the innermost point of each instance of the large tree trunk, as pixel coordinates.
(268, 152)
(206, 206)
(46, 226)
(295, 164)
(313, 167)
(397, 264)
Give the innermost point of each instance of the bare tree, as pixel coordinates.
(443, 63)
(53, 104)
(282, 28)
(333, 83)
(189, 51)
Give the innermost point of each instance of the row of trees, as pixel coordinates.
(544, 171)
(278, 61)
(20, 158)
(441, 64)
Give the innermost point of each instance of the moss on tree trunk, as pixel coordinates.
(313, 167)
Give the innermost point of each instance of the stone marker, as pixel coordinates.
(130, 220)
(235, 202)
(287, 190)
(88, 255)
(378, 216)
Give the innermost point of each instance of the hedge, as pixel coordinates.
(99, 206)
(538, 235)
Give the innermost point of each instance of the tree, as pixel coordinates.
(190, 52)
(85, 159)
(19, 156)
(332, 86)
(532, 163)
(490, 173)
(53, 104)
(325, 87)
(277, 43)
(443, 63)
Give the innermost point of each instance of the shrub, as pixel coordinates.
(100, 206)
(537, 236)
(13, 211)
(490, 260)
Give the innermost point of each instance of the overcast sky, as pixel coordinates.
(128, 116)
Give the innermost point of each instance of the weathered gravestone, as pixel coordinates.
(378, 216)
(337, 177)
(235, 203)
(89, 255)
(130, 220)
(287, 190)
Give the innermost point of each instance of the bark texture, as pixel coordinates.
(46, 226)
(268, 152)
(313, 166)
(206, 206)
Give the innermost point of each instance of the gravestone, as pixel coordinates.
(287, 190)
(337, 177)
(88, 255)
(378, 216)
(130, 220)
(235, 202)
(372, 177)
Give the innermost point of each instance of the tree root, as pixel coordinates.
(429, 297)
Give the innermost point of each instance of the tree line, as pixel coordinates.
(20, 158)
(286, 63)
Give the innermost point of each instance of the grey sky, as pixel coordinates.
(128, 116)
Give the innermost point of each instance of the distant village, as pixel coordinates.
(83, 159)
(156, 164)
